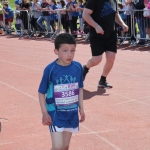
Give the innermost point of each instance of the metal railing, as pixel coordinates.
(135, 20)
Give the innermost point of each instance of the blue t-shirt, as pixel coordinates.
(61, 85)
(80, 13)
(18, 2)
(74, 13)
(10, 11)
(53, 15)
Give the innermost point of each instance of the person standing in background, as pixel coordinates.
(101, 16)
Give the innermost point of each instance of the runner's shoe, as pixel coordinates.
(104, 84)
(85, 71)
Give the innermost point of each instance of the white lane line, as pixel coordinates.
(128, 98)
(44, 49)
(30, 54)
(76, 52)
(26, 46)
(21, 65)
(143, 103)
(101, 137)
(97, 134)
(26, 135)
(132, 100)
(88, 133)
(109, 92)
(131, 74)
(12, 87)
(6, 143)
(135, 75)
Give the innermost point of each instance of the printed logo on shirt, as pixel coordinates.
(66, 79)
(107, 10)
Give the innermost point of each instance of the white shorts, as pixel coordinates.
(57, 129)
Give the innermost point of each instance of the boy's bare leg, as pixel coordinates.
(95, 60)
(110, 58)
(1, 23)
(9, 24)
(57, 140)
(60, 140)
(66, 140)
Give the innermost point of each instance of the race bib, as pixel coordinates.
(66, 94)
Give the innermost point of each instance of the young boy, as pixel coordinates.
(1, 15)
(61, 93)
(9, 14)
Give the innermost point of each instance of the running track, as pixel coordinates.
(116, 119)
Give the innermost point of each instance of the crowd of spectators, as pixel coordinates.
(45, 16)
(132, 12)
(50, 16)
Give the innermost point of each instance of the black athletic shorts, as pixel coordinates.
(100, 45)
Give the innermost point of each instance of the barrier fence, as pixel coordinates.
(138, 22)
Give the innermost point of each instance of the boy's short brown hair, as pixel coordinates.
(120, 5)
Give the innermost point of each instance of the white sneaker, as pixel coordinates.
(18, 33)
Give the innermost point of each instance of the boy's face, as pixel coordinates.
(4, 6)
(65, 54)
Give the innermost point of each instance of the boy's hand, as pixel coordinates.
(125, 28)
(99, 30)
(46, 120)
(82, 115)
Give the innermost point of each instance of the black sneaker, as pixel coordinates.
(85, 71)
(104, 84)
(141, 44)
(48, 35)
(40, 35)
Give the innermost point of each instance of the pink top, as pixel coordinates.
(146, 1)
(148, 4)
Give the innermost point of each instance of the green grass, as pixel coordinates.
(12, 4)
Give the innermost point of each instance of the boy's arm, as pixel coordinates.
(38, 7)
(128, 2)
(5, 12)
(87, 17)
(73, 8)
(81, 109)
(46, 120)
(42, 103)
(119, 20)
(69, 9)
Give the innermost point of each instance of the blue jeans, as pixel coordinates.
(70, 24)
(142, 29)
(41, 20)
(18, 27)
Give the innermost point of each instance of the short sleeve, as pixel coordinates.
(81, 77)
(91, 4)
(17, 2)
(55, 7)
(44, 82)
